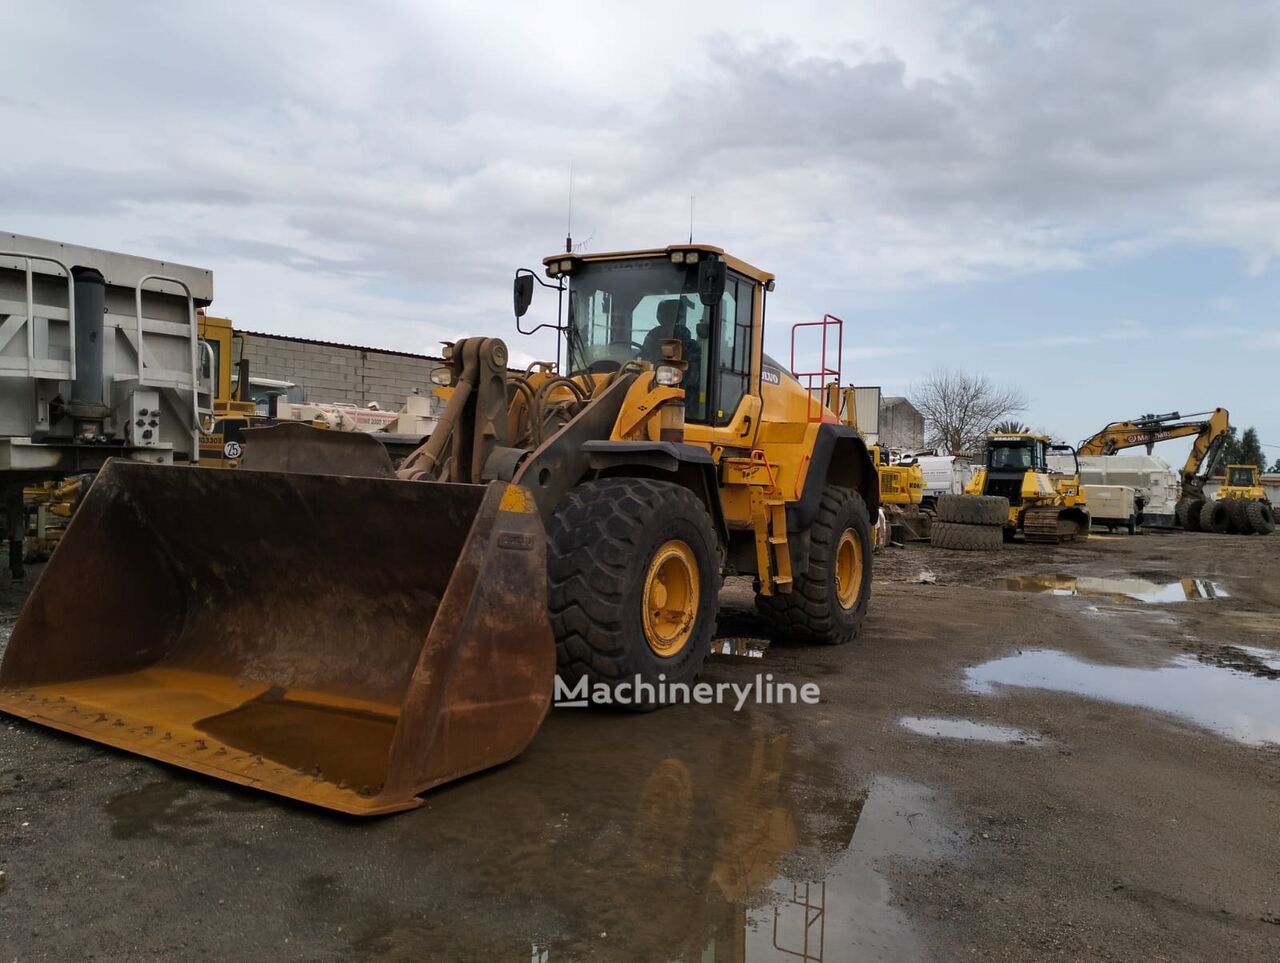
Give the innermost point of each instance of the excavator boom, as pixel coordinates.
(1209, 428)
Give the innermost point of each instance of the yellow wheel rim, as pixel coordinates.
(848, 568)
(670, 598)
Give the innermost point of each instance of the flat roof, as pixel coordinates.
(338, 344)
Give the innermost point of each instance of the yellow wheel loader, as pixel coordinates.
(1044, 506)
(1241, 506)
(322, 623)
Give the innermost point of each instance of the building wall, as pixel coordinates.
(334, 372)
(901, 425)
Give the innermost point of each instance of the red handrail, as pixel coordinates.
(825, 370)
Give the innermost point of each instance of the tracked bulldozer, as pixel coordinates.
(363, 631)
(1044, 505)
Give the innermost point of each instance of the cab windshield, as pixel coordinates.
(622, 311)
(1010, 456)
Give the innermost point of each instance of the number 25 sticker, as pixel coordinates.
(231, 450)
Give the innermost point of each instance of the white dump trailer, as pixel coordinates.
(99, 358)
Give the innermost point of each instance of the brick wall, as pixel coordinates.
(334, 372)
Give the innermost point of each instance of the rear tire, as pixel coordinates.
(973, 509)
(820, 607)
(609, 543)
(1215, 517)
(1188, 513)
(1262, 518)
(967, 538)
(1133, 525)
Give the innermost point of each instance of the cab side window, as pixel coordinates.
(734, 348)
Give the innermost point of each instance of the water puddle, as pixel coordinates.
(740, 648)
(848, 913)
(170, 807)
(692, 845)
(1119, 589)
(968, 730)
(1242, 707)
(1268, 657)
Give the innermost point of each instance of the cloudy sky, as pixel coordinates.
(1080, 199)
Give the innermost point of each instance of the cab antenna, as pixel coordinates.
(568, 228)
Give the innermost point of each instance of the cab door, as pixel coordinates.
(731, 413)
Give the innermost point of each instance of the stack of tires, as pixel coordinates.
(1229, 516)
(970, 523)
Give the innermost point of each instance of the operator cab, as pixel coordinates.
(1018, 453)
(1008, 458)
(1240, 476)
(620, 310)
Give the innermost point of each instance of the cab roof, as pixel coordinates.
(1017, 436)
(734, 264)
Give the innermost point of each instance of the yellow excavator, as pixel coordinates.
(325, 624)
(1044, 505)
(1209, 429)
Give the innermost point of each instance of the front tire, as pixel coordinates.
(828, 601)
(632, 579)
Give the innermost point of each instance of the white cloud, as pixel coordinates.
(353, 170)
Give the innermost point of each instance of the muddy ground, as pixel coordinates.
(1099, 828)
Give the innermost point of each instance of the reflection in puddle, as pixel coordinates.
(967, 729)
(1122, 589)
(708, 843)
(1242, 707)
(742, 648)
(848, 913)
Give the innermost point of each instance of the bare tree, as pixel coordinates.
(959, 408)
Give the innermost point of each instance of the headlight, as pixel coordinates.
(691, 257)
(677, 257)
(566, 266)
(667, 374)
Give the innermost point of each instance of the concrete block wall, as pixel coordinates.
(336, 372)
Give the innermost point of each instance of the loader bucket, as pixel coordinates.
(345, 641)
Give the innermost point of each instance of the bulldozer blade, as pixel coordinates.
(348, 642)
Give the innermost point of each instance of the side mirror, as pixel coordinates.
(522, 290)
(711, 278)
